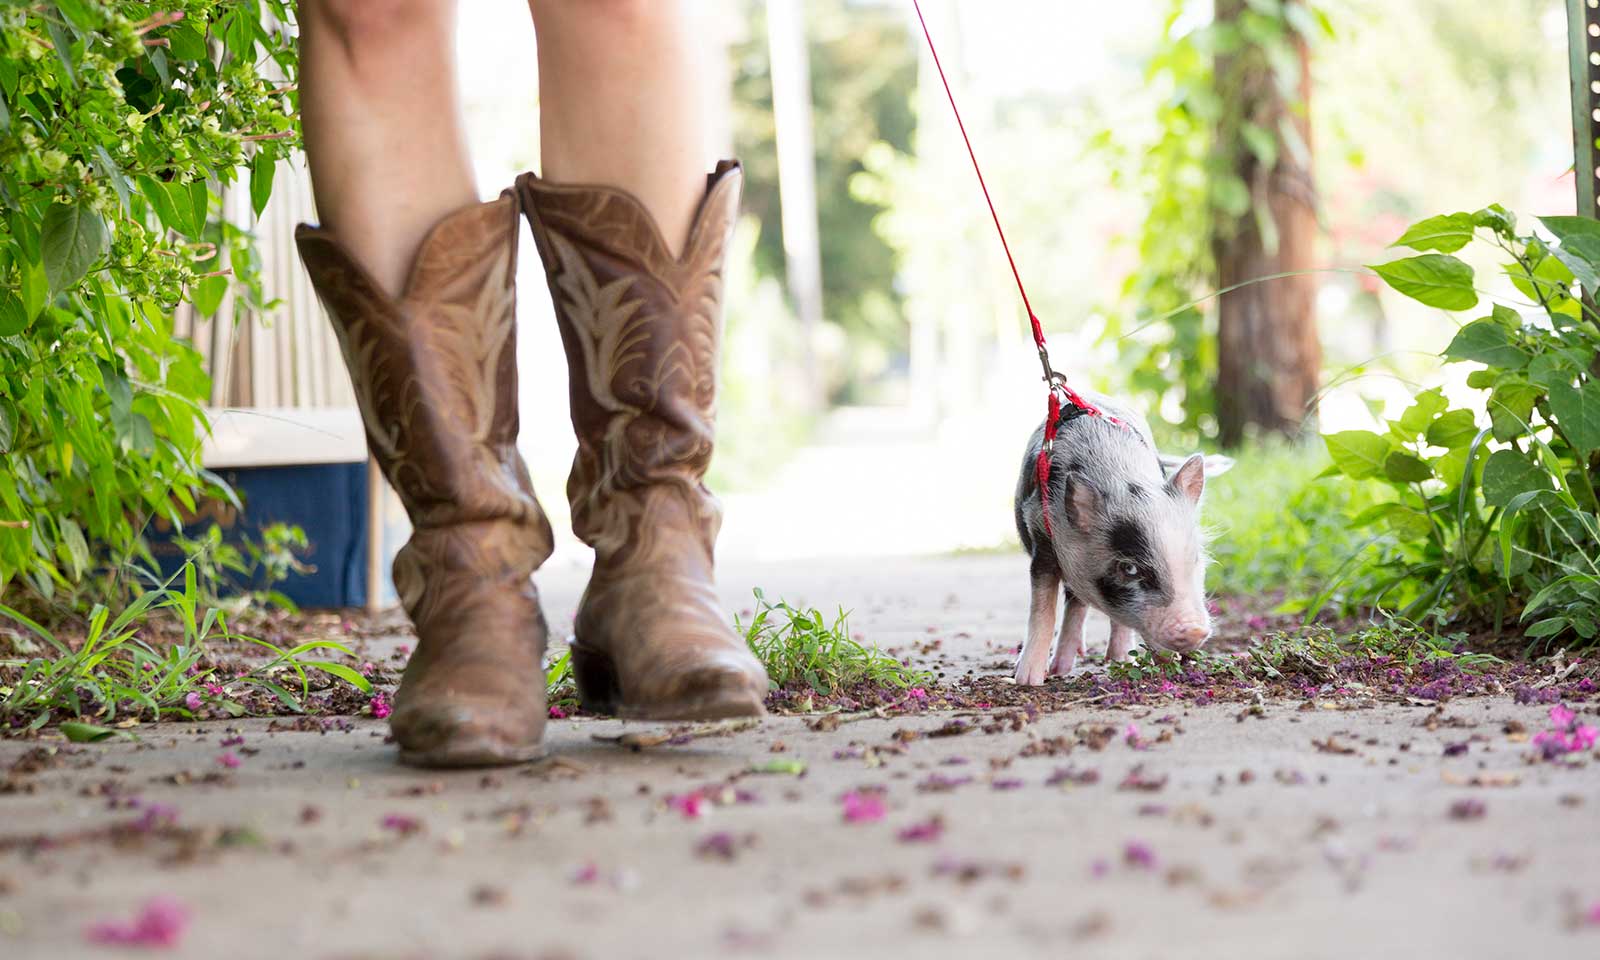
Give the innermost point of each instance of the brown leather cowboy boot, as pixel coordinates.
(641, 330)
(435, 376)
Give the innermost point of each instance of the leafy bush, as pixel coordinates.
(1492, 510)
(118, 124)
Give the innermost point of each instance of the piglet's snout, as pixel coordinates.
(1186, 634)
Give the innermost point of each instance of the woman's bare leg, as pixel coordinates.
(382, 124)
(621, 104)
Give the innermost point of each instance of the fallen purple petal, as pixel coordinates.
(1138, 855)
(926, 831)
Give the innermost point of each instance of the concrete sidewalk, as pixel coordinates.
(1275, 833)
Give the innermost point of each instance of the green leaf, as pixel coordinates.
(1509, 474)
(1409, 523)
(8, 425)
(1547, 628)
(1261, 143)
(35, 288)
(1433, 279)
(110, 170)
(159, 196)
(73, 547)
(5, 114)
(185, 42)
(793, 768)
(1578, 413)
(1453, 429)
(1402, 467)
(1357, 453)
(1488, 342)
(1496, 218)
(13, 315)
(341, 671)
(193, 202)
(1511, 406)
(208, 293)
(63, 48)
(1551, 369)
(72, 238)
(1417, 417)
(262, 169)
(77, 12)
(1446, 234)
(238, 35)
(1580, 247)
(79, 732)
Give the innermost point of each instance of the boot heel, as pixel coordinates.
(596, 679)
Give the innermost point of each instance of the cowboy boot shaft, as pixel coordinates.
(434, 370)
(642, 331)
(434, 373)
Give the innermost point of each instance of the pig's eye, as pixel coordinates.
(1128, 569)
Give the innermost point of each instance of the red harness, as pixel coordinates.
(1059, 391)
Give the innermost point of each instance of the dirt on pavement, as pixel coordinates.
(1339, 830)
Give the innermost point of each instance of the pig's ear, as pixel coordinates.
(1190, 478)
(1217, 465)
(1081, 499)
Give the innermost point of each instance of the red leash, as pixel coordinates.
(1059, 391)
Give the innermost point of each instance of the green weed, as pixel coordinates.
(799, 646)
(113, 673)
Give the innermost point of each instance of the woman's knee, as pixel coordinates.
(371, 30)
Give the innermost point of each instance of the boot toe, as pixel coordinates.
(464, 735)
(714, 685)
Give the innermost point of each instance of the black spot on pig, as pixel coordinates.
(1127, 539)
(1137, 492)
(1117, 593)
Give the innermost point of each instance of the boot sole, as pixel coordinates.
(472, 753)
(600, 691)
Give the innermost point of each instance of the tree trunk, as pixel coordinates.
(1268, 354)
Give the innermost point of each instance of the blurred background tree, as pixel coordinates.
(863, 73)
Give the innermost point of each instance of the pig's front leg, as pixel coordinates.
(1046, 577)
(1121, 640)
(1070, 643)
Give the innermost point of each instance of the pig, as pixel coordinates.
(1127, 540)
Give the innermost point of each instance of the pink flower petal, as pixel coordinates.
(862, 807)
(160, 923)
(229, 759)
(692, 805)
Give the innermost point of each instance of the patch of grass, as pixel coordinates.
(560, 690)
(1277, 528)
(800, 647)
(113, 673)
(1316, 653)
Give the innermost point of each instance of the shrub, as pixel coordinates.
(1492, 510)
(118, 123)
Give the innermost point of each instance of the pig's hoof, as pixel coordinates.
(1061, 670)
(1028, 676)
